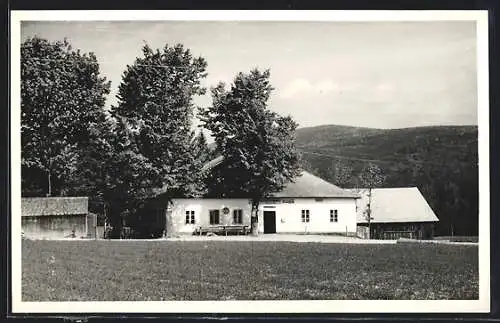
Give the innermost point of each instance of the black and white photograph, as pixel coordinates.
(305, 161)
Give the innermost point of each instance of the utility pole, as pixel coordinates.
(369, 213)
(105, 220)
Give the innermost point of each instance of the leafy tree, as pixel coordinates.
(341, 173)
(306, 165)
(154, 113)
(371, 177)
(202, 154)
(200, 148)
(62, 96)
(96, 155)
(258, 145)
(130, 177)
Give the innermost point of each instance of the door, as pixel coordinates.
(269, 221)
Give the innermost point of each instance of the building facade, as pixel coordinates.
(277, 215)
(400, 212)
(54, 217)
(307, 205)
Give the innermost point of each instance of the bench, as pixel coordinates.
(223, 229)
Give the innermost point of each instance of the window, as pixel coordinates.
(214, 216)
(189, 217)
(237, 216)
(334, 216)
(305, 215)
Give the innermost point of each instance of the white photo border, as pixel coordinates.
(322, 306)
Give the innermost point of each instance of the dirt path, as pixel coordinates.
(289, 238)
(284, 237)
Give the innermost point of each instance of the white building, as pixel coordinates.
(307, 205)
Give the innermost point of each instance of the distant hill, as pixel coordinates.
(440, 160)
(324, 135)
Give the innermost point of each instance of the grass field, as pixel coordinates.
(160, 270)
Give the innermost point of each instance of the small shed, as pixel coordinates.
(54, 217)
(400, 212)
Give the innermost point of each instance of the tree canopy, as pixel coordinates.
(341, 173)
(62, 101)
(371, 176)
(155, 100)
(257, 144)
(154, 118)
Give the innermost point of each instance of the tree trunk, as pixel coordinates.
(49, 184)
(254, 218)
(369, 212)
(115, 219)
(169, 225)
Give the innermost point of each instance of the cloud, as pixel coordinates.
(303, 87)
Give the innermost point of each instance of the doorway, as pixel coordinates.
(269, 221)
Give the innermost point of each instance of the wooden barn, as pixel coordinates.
(396, 213)
(55, 217)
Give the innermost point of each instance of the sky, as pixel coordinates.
(369, 74)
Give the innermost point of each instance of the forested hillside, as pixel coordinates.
(442, 161)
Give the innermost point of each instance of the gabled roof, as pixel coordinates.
(305, 185)
(392, 205)
(308, 185)
(45, 206)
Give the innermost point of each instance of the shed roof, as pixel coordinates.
(392, 205)
(45, 206)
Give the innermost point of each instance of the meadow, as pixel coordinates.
(216, 270)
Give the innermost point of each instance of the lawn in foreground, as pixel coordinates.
(210, 270)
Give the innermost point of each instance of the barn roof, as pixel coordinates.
(305, 185)
(392, 205)
(44, 206)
